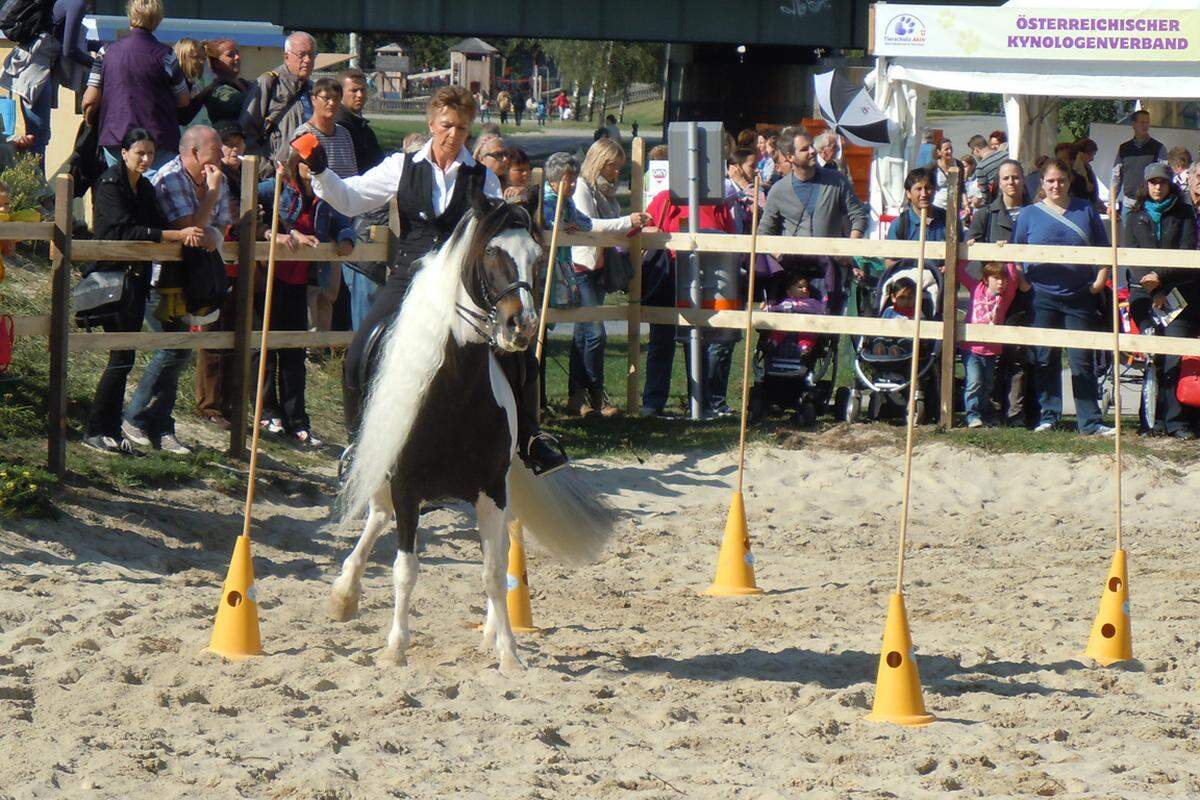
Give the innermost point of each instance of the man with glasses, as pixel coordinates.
(280, 101)
(490, 151)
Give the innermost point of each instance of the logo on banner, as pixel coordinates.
(904, 29)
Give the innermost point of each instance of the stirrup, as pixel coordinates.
(558, 458)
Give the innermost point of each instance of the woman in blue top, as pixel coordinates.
(1064, 295)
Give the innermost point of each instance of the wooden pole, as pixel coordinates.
(60, 310)
(633, 352)
(949, 302)
(262, 356)
(749, 334)
(541, 339)
(912, 403)
(1113, 216)
(244, 320)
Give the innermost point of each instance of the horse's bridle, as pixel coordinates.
(488, 318)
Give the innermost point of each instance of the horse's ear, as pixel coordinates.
(480, 202)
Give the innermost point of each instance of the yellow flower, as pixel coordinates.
(25, 474)
(33, 487)
(9, 485)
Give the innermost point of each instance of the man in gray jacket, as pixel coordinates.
(280, 101)
(813, 201)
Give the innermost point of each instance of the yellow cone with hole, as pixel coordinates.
(520, 613)
(735, 562)
(235, 633)
(1111, 640)
(898, 695)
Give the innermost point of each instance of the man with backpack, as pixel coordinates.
(280, 101)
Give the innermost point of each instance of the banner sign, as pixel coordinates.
(1064, 34)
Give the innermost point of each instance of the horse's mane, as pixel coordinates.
(411, 353)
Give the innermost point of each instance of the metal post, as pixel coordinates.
(695, 347)
(354, 54)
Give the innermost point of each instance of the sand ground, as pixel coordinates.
(639, 687)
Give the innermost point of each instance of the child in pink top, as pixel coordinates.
(798, 300)
(991, 295)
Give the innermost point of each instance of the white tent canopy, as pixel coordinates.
(1032, 87)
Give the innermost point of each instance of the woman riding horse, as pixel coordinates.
(434, 188)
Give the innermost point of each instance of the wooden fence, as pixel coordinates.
(248, 250)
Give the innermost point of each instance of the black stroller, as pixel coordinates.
(796, 371)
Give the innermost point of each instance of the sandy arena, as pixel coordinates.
(639, 687)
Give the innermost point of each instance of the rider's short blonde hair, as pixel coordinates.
(147, 14)
(451, 98)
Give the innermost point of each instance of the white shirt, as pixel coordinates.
(375, 187)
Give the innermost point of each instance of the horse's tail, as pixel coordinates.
(561, 512)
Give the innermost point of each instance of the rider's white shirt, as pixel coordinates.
(375, 187)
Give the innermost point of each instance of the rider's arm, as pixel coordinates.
(361, 193)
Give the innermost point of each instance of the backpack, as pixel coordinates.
(22, 20)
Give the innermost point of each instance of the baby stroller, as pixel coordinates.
(881, 379)
(1137, 370)
(796, 370)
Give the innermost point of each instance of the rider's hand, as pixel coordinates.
(308, 147)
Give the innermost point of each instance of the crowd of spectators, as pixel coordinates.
(173, 125)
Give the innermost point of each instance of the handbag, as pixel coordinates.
(201, 276)
(100, 296)
(618, 270)
(565, 291)
(1187, 391)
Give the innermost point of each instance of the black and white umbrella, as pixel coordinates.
(850, 110)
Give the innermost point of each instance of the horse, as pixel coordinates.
(440, 422)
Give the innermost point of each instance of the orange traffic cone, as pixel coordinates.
(735, 562)
(898, 695)
(235, 633)
(520, 614)
(1111, 640)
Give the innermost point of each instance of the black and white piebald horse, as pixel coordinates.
(440, 422)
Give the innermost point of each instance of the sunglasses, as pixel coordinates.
(499, 155)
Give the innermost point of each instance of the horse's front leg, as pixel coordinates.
(493, 535)
(404, 575)
(343, 600)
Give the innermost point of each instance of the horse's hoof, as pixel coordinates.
(393, 657)
(511, 665)
(342, 608)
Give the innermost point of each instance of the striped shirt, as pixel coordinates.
(339, 148)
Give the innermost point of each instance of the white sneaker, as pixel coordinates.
(975, 423)
(272, 425)
(1104, 430)
(135, 434)
(169, 444)
(1043, 427)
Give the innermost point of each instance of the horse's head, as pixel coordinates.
(499, 271)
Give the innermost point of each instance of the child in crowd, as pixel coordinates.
(991, 295)
(541, 112)
(797, 299)
(902, 300)
(310, 221)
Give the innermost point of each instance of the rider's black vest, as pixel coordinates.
(421, 229)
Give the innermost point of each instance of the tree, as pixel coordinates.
(1077, 115)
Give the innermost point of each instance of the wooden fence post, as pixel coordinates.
(244, 316)
(950, 301)
(633, 389)
(60, 310)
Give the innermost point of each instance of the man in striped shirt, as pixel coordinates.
(988, 159)
(339, 149)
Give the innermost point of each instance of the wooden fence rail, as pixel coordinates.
(65, 250)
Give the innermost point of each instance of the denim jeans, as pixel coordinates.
(362, 292)
(1048, 368)
(660, 359)
(981, 372)
(718, 357)
(37, 118)
(153, 402)
(587, 346)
